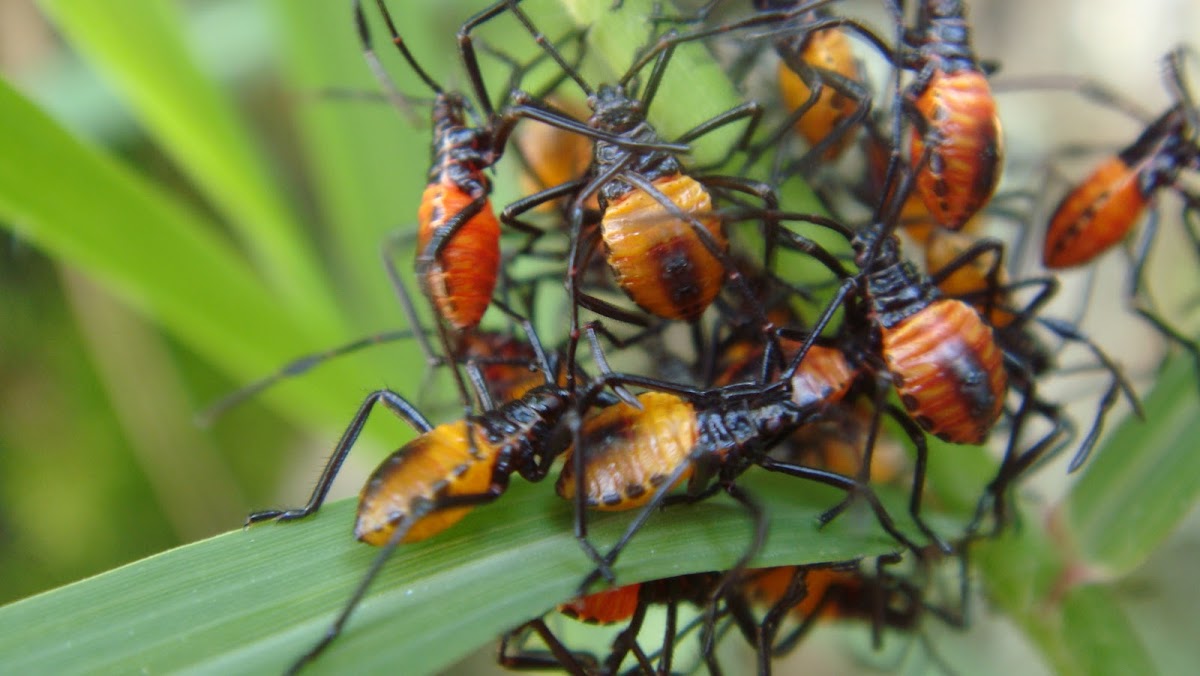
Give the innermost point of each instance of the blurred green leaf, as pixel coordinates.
(91, 213)
(1100, 636)
(367, 164)
(1078, 630)
(1143, 481)
(140, 47)
(1020, 568)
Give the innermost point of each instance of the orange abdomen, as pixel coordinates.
(1094, 216)
(966, 148)
(606, 607)
(504, 362)
(830, 50)
(461, 280)
(824, 375)
(971, 279)
(948, 371)
(837, 444)
(435, 464)
(660, 261)
(553, 155)
(629, 453)
(766, 587)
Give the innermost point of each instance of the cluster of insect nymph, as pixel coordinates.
(803, 341)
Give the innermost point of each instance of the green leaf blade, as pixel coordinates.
(253, 601)
(1143, 481)
(92, 213)
(367, 164)
(140, 47)
(1099, 635)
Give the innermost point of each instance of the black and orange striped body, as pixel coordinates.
(458, 279)
(958, 125)
(629, 454)
(1102, 210)
(1094, 216)
(445, 462)
(948, 371)
(827, 49)
(966, 150)
(942, 356)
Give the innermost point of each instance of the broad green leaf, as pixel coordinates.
(140, 47)
(1143, 481)
(251, 601)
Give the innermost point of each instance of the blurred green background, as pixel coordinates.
(100, 462)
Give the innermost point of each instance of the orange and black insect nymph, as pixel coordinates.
(625, 457)
(956, 146)
(458, 236)
(940, 354)
(820, 82)
(945, 365)
(433, 481)
(664, 244)
(1103, 210)
(971, 269)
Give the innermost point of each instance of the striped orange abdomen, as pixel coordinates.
(460, 281)
(1096, 215)
(437, 463)
(966, 149)
(629, 453)
(658, 260)
(948, 371)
